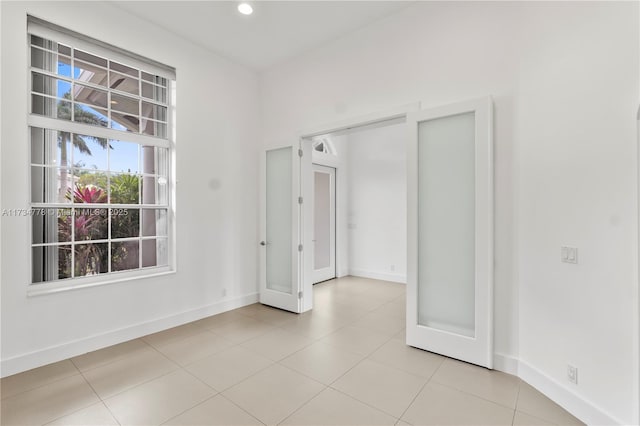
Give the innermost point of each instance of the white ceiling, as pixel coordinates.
(276, 31)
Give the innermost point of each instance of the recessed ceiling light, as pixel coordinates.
(245, 8)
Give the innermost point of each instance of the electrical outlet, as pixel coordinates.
(572, 374)
(224, 292)
(392, 268)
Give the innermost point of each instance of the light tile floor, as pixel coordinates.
(344, 363)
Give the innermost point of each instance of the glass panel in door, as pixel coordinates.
(446, 224)
(322, 220)
(279, 236)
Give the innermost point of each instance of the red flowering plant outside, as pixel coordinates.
(88, 224)
(85, 226)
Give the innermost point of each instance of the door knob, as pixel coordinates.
(262, 243)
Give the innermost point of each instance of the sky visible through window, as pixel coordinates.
(123, 157)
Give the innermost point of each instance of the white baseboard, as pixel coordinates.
(584, 410)
(505, 363)
(57, 353)
(396, 278)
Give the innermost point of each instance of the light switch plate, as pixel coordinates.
(569, 254)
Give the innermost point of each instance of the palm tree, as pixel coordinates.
(79, 141)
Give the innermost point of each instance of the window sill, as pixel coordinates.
(83, 283)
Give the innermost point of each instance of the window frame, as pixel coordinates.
(60, 35)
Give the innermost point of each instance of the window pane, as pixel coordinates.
(154, 190)
(125, 122)
(51, 225)
(90, 73)
(65, 50)
(91, 115)
(149, 186)
(154, 112)
(148, 157)
(155, 93)
(155, 252)
(39, 41)
(90, 96)
(154, 222)
(51, 107)
(125, 223)
(123, 156)
(90, 224)
(90, 259)
(125, 188)
(123, 83)
(51, 263)
(51, 61)
(149, 256)
(89, 58)
(49, 147)
(50, 184)
(125, 255)
(89, 152)
(162, 161)
(48, 85)
(125, 104)
(154, 128)
(90, 187)
(124, 69)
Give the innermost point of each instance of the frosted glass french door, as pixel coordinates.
(279, 253)
(450, 231)
(324, 223)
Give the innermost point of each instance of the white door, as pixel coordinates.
(280, 254)
(450, 231)
(324, 223)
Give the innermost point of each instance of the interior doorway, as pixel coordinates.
(324, 223)
(370, 198)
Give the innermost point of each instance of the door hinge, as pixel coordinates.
(299, 247)
(300, 152)
(299, 200)
(299, 295)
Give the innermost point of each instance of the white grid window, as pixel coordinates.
(100, 140)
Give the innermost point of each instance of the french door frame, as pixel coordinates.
(477, 349)
(290, 301)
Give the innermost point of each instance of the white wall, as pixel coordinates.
(216, 208)
(377, 203)
(564, 78)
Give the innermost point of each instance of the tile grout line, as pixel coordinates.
(119, 358)
(473, 395)
(39, 386)
(513, 419)
(97, 396)
(241, 408)
(304, 404)
(420, 391)
(283, 366)
(413, 400)
(365, 403)
(190, 408)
